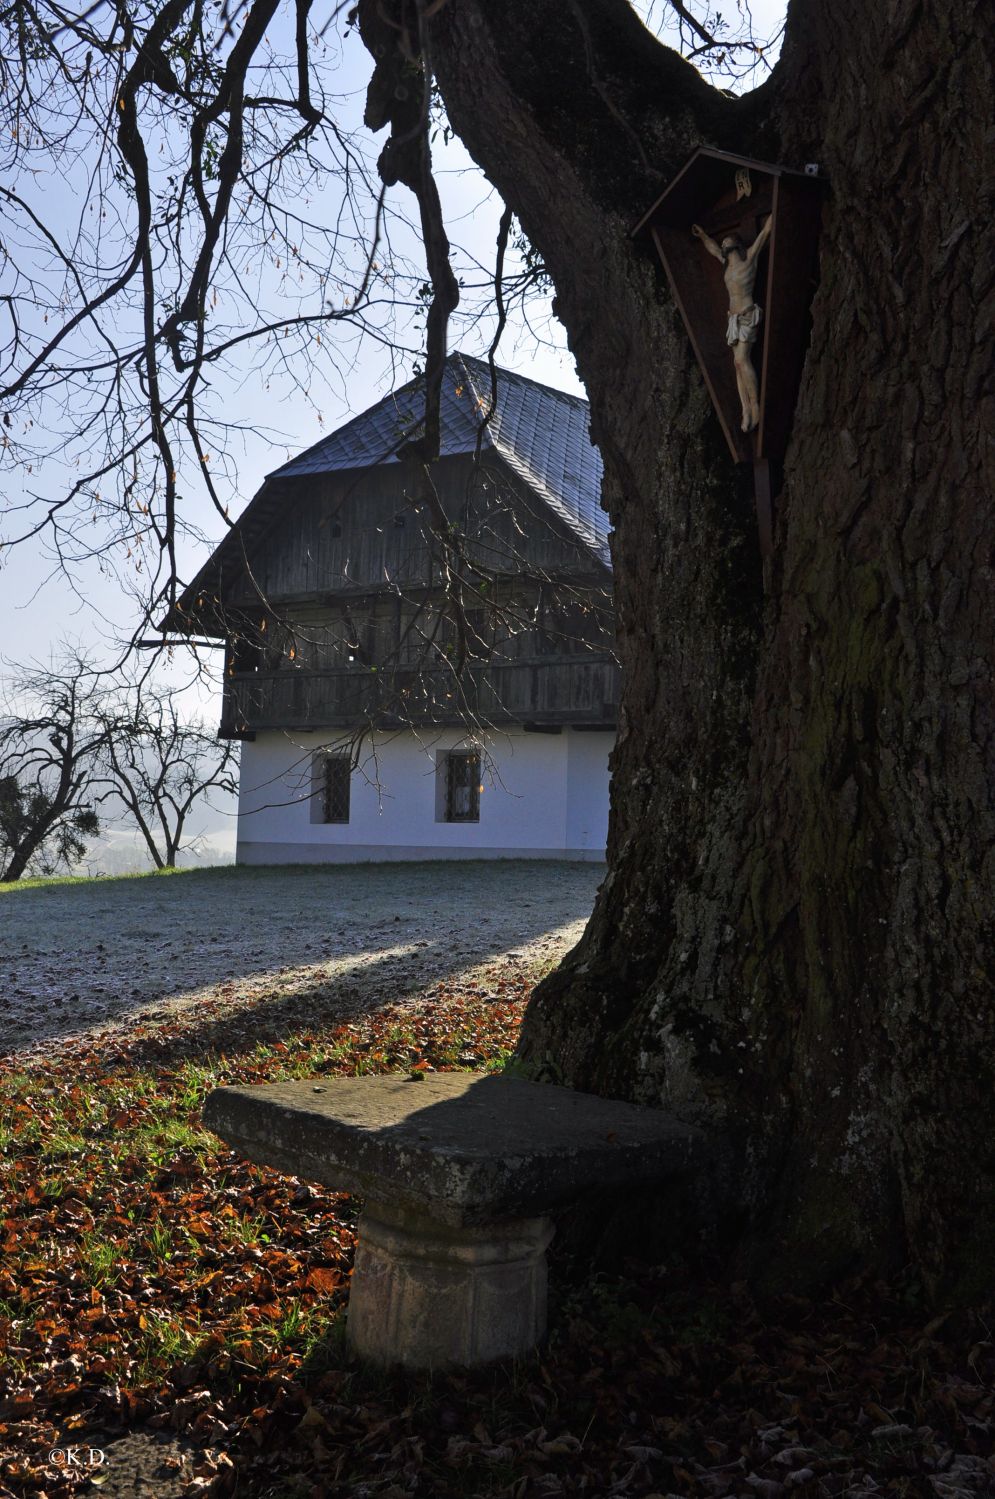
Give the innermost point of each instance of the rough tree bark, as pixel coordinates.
(794, 940)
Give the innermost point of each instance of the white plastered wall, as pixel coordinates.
(587, 789)
(544, 796)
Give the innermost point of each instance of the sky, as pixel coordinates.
(41, 610)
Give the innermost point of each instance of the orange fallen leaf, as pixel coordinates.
(324, 1278)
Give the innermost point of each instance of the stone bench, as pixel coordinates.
(460, 1173)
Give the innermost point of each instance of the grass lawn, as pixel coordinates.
(76, 956)
(60, 881)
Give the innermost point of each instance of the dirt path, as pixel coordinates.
(80, 958)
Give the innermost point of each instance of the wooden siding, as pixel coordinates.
(349, 533)
(338, 617)
(530, 650)
(528, 619)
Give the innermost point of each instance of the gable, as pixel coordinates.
(543, 435)
(353, 533)
(327, 520)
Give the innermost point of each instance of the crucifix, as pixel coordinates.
(740, 274)
(760, 221)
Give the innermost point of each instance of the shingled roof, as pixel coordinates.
(542, 434)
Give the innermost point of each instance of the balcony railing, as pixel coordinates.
(555, 692)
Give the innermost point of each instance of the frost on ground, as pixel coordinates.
(76, 959)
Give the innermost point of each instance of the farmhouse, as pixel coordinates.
(422, 667)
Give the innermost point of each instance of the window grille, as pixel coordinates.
(463, 787)
(335, 784)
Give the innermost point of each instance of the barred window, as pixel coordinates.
(463, 786)
(335, 784)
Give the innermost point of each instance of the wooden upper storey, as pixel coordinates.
(384, 592)
(352, 534)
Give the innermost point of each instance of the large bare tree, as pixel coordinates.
(794, 942)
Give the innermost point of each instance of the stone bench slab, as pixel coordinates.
(460, 1174)
(461, 1148)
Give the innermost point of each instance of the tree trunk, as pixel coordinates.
(134, 808)
(794, 940)
(30, 843)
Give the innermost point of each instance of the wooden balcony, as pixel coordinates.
(546, 693)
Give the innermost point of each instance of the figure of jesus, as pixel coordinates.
(744, 314)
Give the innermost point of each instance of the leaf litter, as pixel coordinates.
(179, 1311)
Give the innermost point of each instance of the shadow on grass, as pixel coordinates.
(83, 953)
(368, 989)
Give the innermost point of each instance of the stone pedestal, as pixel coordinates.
(425, 1294)
(459, 1172)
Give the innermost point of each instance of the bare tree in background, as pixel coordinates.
(160, 767)
(49, 747)
(75, 739)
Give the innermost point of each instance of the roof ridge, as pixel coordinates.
(410, 387)
(407, 388)
(525, 471)
(503, 371)
(509, 450)
(484, 434)
(472, 367)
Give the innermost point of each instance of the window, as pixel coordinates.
(332, 783)
(461, 770)
(245, 654)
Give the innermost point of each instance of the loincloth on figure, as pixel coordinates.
(742, 327)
